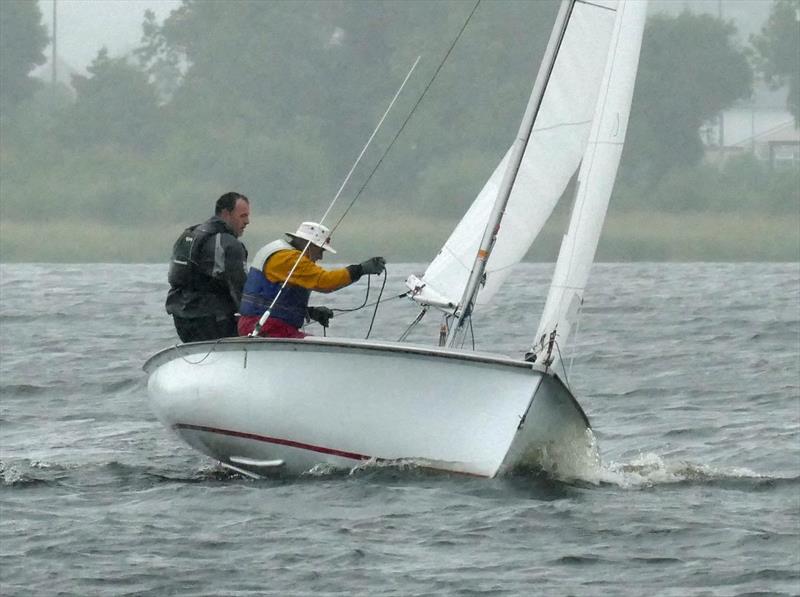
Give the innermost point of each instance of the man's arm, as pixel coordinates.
(235, 268)
(307, 274)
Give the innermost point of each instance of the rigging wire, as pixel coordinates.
(266, 314)
(367, 144)
(413, 324)
(408, 118)
(262, 320)
(575, 337)
(472, 333)
(563, 368)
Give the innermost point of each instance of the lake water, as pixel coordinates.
(690, 374)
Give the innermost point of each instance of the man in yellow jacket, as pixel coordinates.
(272, 266)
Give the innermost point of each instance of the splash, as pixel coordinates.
(407, 467)
(324, 469)
(580, 462)
(575, 460)
(20, 476)
(649, 469)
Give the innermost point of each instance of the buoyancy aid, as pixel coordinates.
(184, 266)
(259, 292)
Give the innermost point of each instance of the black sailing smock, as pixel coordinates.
(207, 272)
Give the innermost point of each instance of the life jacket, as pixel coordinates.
(184, 266)
(259, 292)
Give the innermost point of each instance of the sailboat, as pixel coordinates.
(261, 405)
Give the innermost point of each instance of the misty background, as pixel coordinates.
(154, 109)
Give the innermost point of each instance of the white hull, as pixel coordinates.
(259, 404)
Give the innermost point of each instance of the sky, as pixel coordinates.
(85, 26)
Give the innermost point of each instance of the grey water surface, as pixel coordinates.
(690, 374)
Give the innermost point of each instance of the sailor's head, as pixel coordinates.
(315, 235)
(234, 209)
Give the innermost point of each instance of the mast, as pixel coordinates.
(515, 159)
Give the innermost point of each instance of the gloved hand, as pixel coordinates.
(323, 315)
(374, 265)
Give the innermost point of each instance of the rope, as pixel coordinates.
(186, 360)
(410, 114)
(364, 304)
(375, 311)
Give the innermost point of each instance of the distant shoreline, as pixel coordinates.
(627, 237)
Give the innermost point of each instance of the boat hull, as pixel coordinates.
(292, 404)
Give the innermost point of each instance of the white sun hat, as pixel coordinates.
(316, 234)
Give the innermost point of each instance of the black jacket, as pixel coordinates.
(207, 272)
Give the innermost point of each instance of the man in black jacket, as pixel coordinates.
(207, 272)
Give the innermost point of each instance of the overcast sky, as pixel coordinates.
(84, 26)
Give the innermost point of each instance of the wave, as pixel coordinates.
(22, 476)
(23, 389)
(122, 385)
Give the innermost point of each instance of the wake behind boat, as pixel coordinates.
(267, 404)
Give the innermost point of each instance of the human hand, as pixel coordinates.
(374, 265)
(322, 315)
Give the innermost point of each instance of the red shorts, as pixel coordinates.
(273, 328)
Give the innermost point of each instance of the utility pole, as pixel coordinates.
(54, 69)
(721, 114)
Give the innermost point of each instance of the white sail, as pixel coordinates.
(553, 153)
(596, 177)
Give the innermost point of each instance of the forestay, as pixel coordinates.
(552, 156)
(596, 177)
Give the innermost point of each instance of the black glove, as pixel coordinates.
(374, 265)
(323, 315)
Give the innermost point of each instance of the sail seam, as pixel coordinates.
(562, 124)
(587, 3)
(456, 257)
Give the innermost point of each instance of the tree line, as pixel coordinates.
(275, 100)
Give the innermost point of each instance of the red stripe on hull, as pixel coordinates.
(302, 446)
(272, 440)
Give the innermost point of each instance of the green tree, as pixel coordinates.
(158, 58)
(23, 39)
(323, 72)
(778, 50)
(114, 106)
(689, 71)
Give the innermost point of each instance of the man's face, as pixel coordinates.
(238, 218)
(314, 252)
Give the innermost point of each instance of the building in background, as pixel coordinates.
(761, 126)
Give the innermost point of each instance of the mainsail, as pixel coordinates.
(554, 150)
(596, 177)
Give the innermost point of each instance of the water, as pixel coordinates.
(689, 373)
